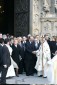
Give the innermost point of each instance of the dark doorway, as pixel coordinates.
(21, 17)
(14, 17)
(7, 16)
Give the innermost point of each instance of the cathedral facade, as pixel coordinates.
(35, 17)
(43, 17)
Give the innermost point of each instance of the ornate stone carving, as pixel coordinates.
(56, 4)
(35, 17)
(55, 28)
(46, 6)
(46, 27)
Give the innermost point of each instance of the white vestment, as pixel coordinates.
(11, 71)
(43, 55)
(52, 70)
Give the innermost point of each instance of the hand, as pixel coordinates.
(34, 52)
(55, 52)
(5, 66)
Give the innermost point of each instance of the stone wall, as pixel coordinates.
(44, 18)
(35, 17)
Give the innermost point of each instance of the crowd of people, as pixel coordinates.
(28, 54)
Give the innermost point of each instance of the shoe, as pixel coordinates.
(17, 75)
(40, 76)
(44, 77)
(32, 75)
(27, 75)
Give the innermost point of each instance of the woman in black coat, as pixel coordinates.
(15, 53)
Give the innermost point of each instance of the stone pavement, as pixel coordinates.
(23, 79)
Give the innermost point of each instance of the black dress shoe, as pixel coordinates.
(27, 75)
(17, 75)
(40, 76)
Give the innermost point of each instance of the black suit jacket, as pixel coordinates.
(52, 48)
(29, 49)
(6, 56)
(37, 46)
(1, 54)
(21, 50)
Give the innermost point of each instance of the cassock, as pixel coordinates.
(52, 70)
(43, 55)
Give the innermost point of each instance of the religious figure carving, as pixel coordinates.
(46, 27)
(56, 4)
(46, 6)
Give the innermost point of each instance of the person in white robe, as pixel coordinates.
(43, 55)
(52, 70)
(11, 71)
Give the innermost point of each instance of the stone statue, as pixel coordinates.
(56, 7)
(46, 6)
(56, 4)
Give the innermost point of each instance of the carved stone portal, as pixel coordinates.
(44, 20)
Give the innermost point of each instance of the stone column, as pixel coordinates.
(34, 17)
(56, 4)
(56, 7)
(31, 17)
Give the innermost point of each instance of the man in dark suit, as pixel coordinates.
(21, 45)
(21, 57)
(6, 62)
(1, 45)
(29, 57)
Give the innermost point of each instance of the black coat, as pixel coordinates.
(6, 56)
(1, 55)
(36, 48)
(15, 53)
(21, 50)
(52, 48)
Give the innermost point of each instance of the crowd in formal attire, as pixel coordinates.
(28, 54)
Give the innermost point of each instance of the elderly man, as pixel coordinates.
(6, 61)
(43, 55)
